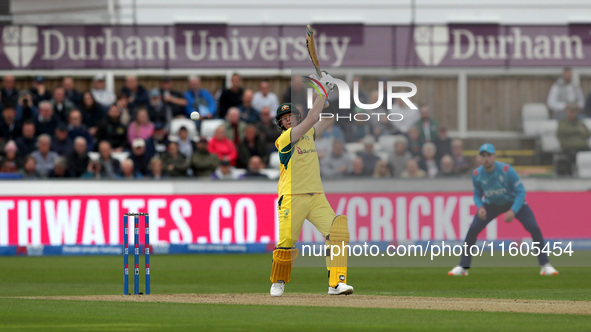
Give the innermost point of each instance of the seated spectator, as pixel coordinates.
(255, 165)
(426, 125)
(141, 127)
(93, 171)
(414, 143)
(337, 163)
(157, 169)
(29, 170)
(92, 113)
(39, 91)
(70, 91)
(8, 93)
(77, 129)
(61, 143)
(231, 97)
(10, 129)
(45, 122)
(109, 165)
(413, 171)
(428, 163)
(128, 170)
(225, 171)
(12, 161)
(564, 91)
(44, 158)
(442, 142)
(112, 130)
(199, 100)
(61, 105)
(25, 109)
(265, 98)
(101, 94)
(360, 129)
(185, 143)
(203, 162)
(78, 160)
(136, 95)
(139, 156)
(447, 167)
(462, 164)
(368, 155)
(297, 93)
(127, 113)
(234, 126)
(159, 111)
(60, 169)
(172, 98)
(220, 145)
(156, 145)
(357, 168)
(572, 134)
(251, 145)
(399, 157)
(248, 113)
(410, 116)
(175, 163)
(382, 170)
(333, 132)
(27, 142)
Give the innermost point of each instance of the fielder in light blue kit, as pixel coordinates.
(502, 190)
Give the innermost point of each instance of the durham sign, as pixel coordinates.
(225, 46)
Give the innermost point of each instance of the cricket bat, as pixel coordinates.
(311, 44)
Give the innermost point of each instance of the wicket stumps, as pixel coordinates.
(136, 261)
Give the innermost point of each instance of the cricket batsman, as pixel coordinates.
(301, 195)
(502, 190)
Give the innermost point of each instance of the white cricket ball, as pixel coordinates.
(195, 116)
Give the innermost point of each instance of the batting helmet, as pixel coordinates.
(287, 108)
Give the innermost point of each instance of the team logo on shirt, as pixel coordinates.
(300, 151)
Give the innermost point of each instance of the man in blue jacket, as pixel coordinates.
(502, 190)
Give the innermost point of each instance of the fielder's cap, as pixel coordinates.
(138, 143)
(369, 140)
(487, 147)
(154, 93)
(39, 79)
(98, 77)
(225, 163)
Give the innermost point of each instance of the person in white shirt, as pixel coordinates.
(101, 95)
(564, 91)
(265, 98)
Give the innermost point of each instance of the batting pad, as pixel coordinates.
(282, 263)
(337, 261)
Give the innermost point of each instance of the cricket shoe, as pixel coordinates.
(341, 289)
(458, 271)
(548, 270)
(277, 288)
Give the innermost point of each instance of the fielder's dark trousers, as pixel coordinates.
(526, 218)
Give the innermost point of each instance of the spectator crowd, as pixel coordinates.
(99, 134)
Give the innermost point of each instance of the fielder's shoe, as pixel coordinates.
(548, 270)
(341, 289)
(277, 288)
(458, 271)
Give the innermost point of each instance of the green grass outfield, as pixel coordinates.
(48, 276)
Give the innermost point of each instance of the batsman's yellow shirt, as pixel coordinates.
(300, 169)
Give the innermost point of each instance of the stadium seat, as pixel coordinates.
(386, 142)
(93, 155)
(208, 127)
(176, 124)
(383, 155)
(120, 156)
(273, 174)
(549, 140)
(532, 114)
(584, 164)
(274, 160)
(353, 147)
